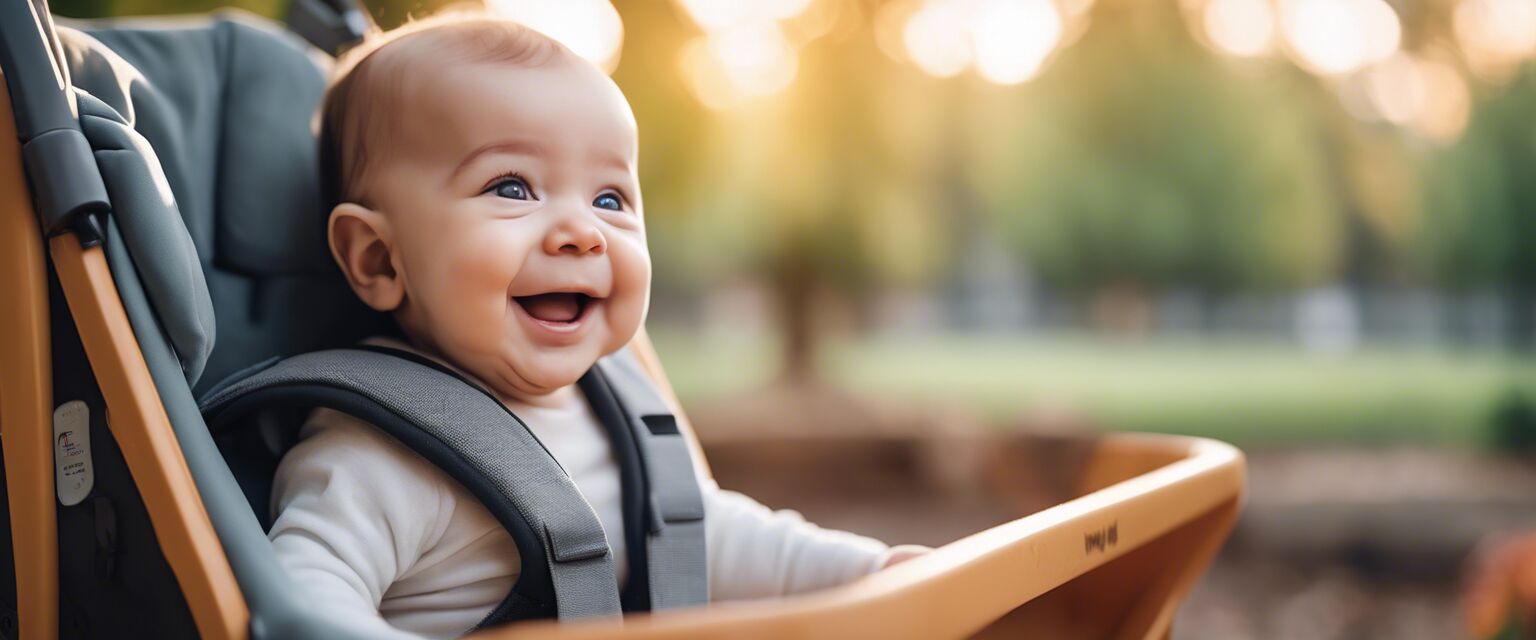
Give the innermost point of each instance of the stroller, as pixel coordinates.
(158, 208)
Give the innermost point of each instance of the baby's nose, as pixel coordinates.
(573, 236)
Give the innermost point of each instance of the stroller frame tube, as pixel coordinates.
(143, 432)
(139, 421)
(26, 394)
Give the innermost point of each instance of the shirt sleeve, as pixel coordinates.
(350, 518)
(756, 552)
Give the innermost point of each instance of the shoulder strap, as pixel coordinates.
(464, 430)
(675, 552)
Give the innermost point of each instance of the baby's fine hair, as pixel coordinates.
(361, 106)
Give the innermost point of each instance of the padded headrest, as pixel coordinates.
(227, 103)
(219, 111)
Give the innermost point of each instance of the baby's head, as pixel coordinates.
(484, 190)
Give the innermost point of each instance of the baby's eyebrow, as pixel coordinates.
(612, 160)
(519, 147)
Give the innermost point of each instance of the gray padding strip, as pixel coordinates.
(278, 610)
(675, 550)
(490, 440)
(153, 233)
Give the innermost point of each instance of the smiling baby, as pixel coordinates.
(483, 190)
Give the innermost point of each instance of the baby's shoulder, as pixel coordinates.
(336, 448)
(346, 439)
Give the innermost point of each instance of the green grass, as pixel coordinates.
(1240, 392)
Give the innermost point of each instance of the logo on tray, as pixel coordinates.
(1102, 539)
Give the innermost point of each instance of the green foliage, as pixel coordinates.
(1512, 423)
(1140, 158)
(1479, 222)
(1242, 392)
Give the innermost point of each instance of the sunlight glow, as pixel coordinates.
(1397, 89)
(1447, 105)
(1241, 27)
(1007, 40)
(890, 23)
(1425, 95)
(715, 15)
(1012, 38)
(718, 14)
(936, 39)
(744, 52)
(730, 66)
(1336, 37)
(590, 28)
(1496, 35)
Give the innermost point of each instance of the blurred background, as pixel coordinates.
(909, 252)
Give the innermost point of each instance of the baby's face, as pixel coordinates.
(515, 208)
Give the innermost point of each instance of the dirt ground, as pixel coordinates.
(1357, 544)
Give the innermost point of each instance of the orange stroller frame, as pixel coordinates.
(1147, 517)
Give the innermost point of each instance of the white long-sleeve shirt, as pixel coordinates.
(387, 542)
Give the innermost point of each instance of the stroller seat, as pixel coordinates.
(227, 101)
(200, 129)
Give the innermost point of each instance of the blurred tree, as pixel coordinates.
(820, 190)
(1138, 160)
(1479, 225)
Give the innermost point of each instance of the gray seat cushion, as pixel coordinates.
(226, 103)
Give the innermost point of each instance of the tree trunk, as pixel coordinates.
(794, 285)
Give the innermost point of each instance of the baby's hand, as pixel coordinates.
(904, 552)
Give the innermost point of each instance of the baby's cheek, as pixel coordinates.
(489, 258)
(472, 290)
(631, 260)
(632, 277)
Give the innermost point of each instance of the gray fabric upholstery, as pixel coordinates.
(278, 609)
(226, 105)
(153, 232)
(216, 232)
(675, 548)
(495, 456)
(487, 439)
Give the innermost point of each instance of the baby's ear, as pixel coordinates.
(362, 244)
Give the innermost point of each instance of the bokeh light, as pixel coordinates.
(1448, 102)
(744, 52)
(1240, 27)
(590, 28)
(936, 39)
(1397, 89)
(715, 15)
(1336, 37)
(1012, 38)
(728, 67)
(1496, 35)
(1007, 41)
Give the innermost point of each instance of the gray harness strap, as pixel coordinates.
(488, 439)
(675, 547)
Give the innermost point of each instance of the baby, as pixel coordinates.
(485, 194)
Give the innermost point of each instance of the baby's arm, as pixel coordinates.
(351, 518)
(755, 552)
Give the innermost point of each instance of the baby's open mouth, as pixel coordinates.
(556, 306)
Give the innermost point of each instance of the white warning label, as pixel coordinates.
(73, 475)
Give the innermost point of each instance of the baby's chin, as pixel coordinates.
(544, 373)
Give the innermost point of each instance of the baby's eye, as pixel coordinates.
(511, 187)
(609, 201)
